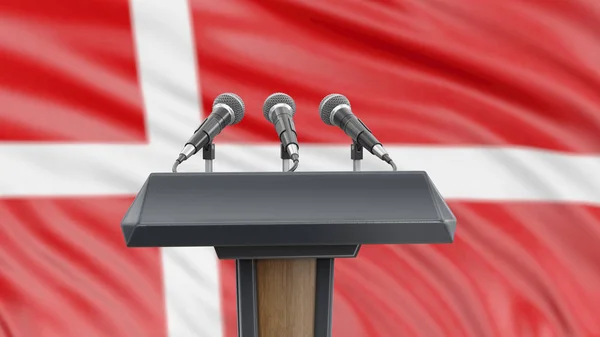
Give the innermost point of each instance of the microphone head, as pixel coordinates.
(277, 98)
(328, 104)
(234, 102)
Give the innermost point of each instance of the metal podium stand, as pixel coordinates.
(254, 217)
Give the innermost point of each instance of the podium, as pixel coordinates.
(284, 230)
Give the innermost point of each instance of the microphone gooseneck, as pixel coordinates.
(295, 166)
(228, 109)
(279, 109)
(177, 162)
(387, 159)
(335, 110)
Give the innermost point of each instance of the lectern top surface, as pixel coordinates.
(286, 198)
(323, 199)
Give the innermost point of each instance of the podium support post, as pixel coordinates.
(356, 154)
(284, 297)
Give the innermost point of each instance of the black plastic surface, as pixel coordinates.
(324, 297)
(286, 252)
(280, 209)
(247, 299)
(283, 153)
(356, 151)
(208, 152)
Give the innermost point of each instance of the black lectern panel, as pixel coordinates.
(283, 209)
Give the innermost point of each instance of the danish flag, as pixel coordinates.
(498, 101)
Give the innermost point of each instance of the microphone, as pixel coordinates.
(227, 109)
(279, 109)
(335, 110)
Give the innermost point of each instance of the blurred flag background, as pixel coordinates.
(498, 100)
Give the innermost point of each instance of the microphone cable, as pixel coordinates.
(296, 161)
(386, 157)
(177, 162)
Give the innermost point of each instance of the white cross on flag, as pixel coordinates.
(499, 101)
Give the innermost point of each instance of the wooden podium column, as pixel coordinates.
(289, 297)
(286, 297)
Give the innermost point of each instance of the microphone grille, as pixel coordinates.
(234, 102)
(329, 103)
(278, 98)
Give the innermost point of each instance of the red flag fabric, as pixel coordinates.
(496, 100)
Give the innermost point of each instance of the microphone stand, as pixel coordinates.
(285, 159)
(356, 154)
(208, 153)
